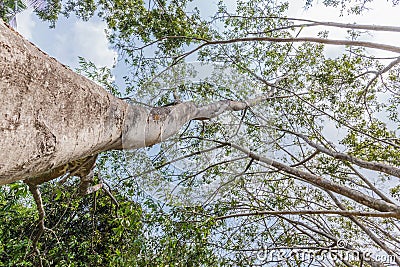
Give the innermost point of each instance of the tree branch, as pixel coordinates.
(310, 212)
(379, 73)
(326, 23)
(373, 45)
(146, 127)
(371, 165)
(319, 181)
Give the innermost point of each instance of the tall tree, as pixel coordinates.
(232, 188)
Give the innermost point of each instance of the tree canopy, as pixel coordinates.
(305, 173)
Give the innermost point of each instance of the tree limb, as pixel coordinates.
(371, 165)
(310, 212)
(376, 204)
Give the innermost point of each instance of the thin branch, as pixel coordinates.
(111, 196)
(214, 194)
(312, 212)
(370, 185)
(306, 159)
(327, 23)
(373, 45)
(215, 109)
(298, 95)
(175, 160)
(379, 73)
(350, 25)
(33, 188)
(371, 165)
(106, 190)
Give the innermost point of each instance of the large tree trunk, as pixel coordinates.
(50, 116)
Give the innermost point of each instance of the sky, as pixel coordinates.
(72, 38)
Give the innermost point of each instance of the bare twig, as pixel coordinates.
(379, 73)
(33, 188)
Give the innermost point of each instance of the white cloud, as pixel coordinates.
(89, 40)
(25, 23)
(85, 39)
(71, 38)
